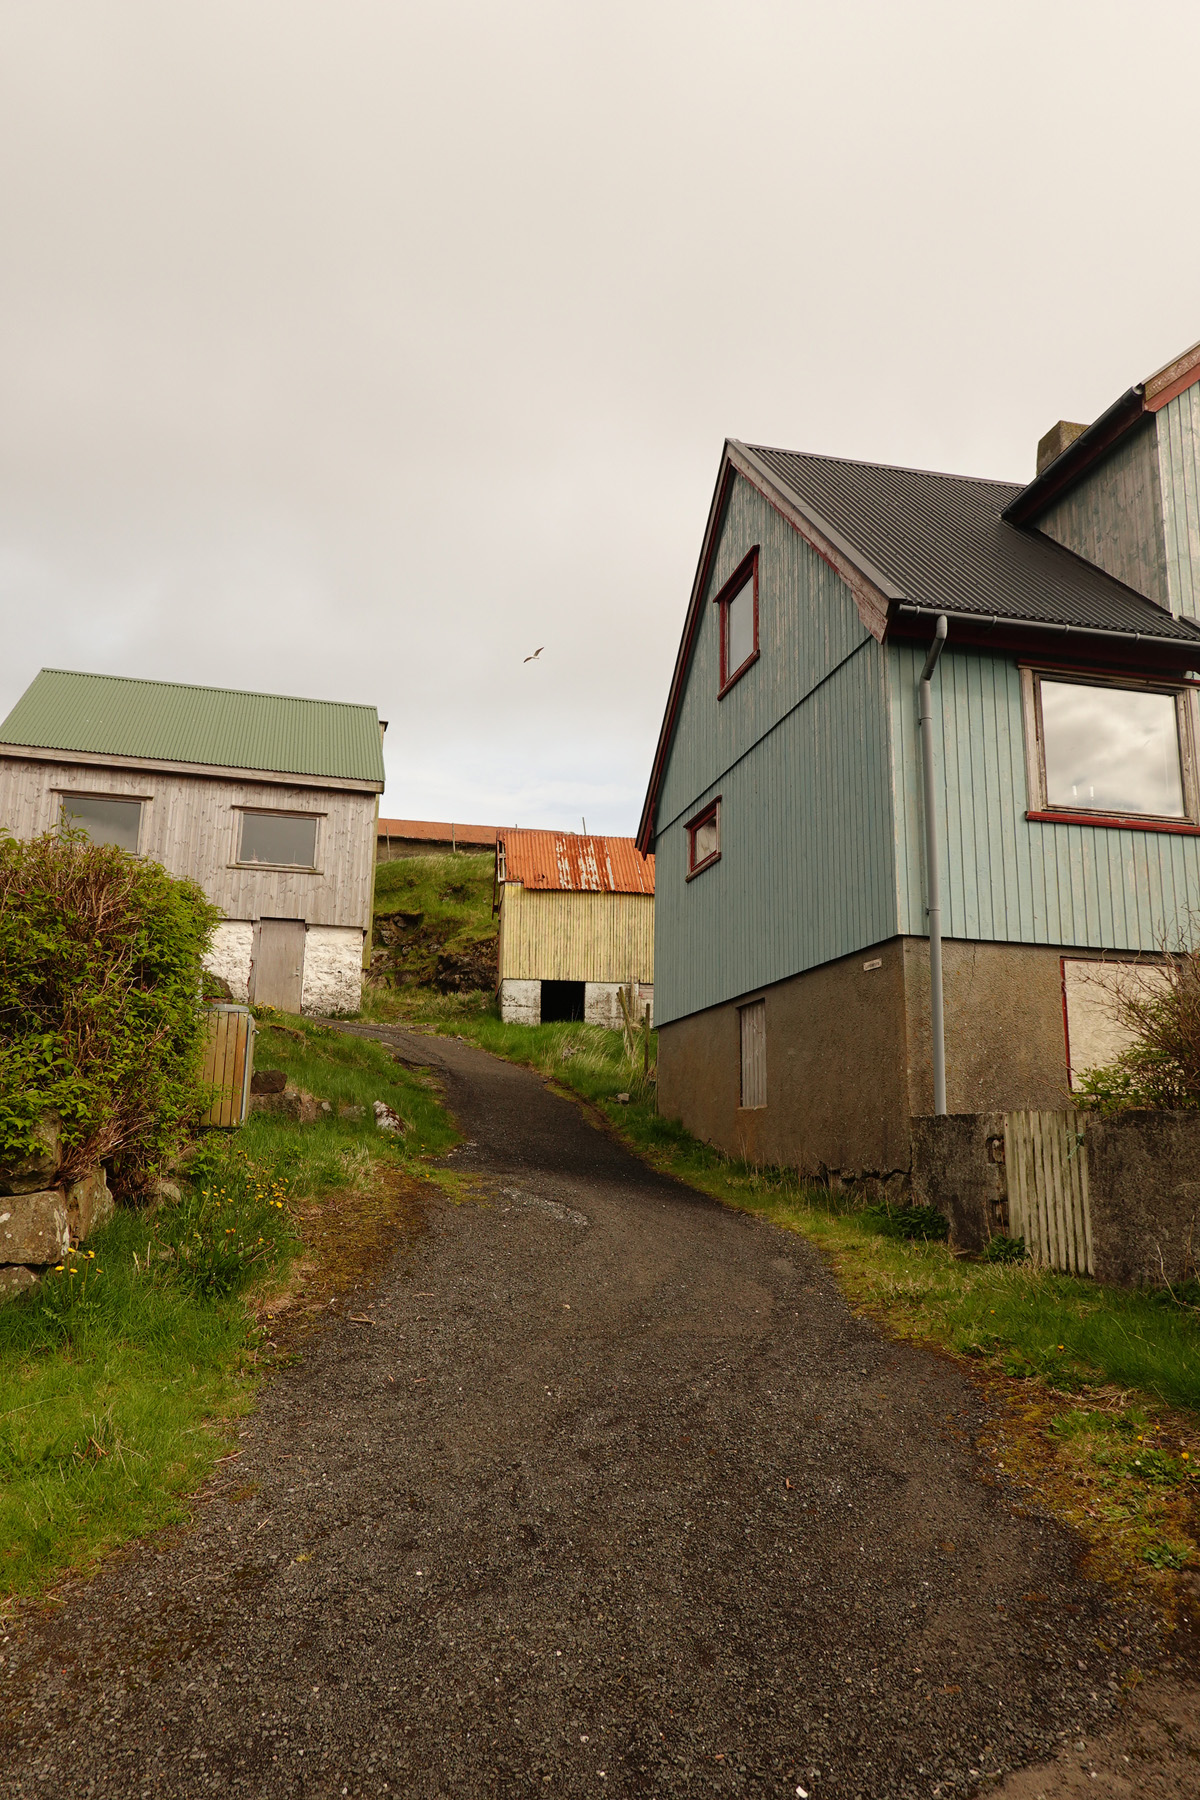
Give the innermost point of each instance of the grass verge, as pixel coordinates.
(123, 1374)
(1096, 1390)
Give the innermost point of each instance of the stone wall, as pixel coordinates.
(332, 970)
(42, 1217)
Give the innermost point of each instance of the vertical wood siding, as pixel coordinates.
(1005, 878)
(807, 863)
(807, 625)
(1113, 517)
(555, 935)
(1048, 1200)
(190, 824)
(1179, 474)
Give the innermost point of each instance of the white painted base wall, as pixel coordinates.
(332, 970)
(601, 1005)
(229, 954)
(521, 1002)
(332, 965)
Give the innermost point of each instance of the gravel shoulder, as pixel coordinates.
(600, 1488)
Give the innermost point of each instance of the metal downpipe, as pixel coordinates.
(933, 891)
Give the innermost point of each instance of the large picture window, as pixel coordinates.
(282, 840)
(105, 819)
(1113, 750)
(738, 603)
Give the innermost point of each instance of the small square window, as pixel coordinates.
(1108, 749)
(284, 840)
(704, 839)
(738, 601)
(105, 820)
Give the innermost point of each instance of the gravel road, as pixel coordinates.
(610, 1496)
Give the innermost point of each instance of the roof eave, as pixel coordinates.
(101, 759)
(1183, 645)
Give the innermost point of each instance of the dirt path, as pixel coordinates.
(604, 1492)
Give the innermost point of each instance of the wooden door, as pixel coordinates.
(278, 974)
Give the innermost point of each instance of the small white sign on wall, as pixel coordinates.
(1096, 1033)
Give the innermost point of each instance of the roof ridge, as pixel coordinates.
(203, 687)
(859, 462)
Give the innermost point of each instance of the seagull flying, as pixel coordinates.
(536, 653)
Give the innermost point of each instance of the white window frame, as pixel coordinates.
(1184, 695)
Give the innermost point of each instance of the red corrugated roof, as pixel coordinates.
(578, 864)
(437, 831)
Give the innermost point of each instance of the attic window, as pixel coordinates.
(1116, 751)
(704, 839)
(738, 601)
(279, 840)
(104, 819)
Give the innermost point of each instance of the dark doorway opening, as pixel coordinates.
(561, 1001)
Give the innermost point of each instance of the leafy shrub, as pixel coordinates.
(913, 1222)
(1001, 1249)
(99, 981)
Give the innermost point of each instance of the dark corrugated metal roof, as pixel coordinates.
(940, 539)
(168, 721)
(578, 864)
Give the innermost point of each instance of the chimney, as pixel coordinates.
(1056, 441)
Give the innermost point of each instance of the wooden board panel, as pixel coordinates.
(228, 1064)
(1048, 1202)
(277, 973)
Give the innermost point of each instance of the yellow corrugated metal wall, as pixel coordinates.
(552, 935)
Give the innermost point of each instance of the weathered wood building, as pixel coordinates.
(785, 802)
(268, 802)
(576, 926)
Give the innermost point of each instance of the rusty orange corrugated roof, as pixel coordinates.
(437, 830)
(577, 864)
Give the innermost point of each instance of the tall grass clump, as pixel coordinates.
(99, 978)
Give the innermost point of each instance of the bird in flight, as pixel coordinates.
(536, 653)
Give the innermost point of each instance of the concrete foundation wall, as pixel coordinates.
(1144, 1182)
(849, 1061)
(521, 1002)
(332, 970)
(602, 1005)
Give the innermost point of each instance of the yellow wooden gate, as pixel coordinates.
(229, 1063)
(1048, 1205)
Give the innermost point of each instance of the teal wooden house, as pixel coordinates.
(785, 806)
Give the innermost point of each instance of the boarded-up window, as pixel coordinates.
(105, 820)
(753, 1020)
(287, 840)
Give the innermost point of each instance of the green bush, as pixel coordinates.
(917, 1223)
(1161, 1067)
(99, 982)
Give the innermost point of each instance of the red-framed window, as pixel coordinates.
(704, 838)
(738, 604)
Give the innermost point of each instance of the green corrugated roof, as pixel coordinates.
(170, 721)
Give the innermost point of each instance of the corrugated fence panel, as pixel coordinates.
(1048, 1202)
(1179, 475)
(806, 871)
(228, 1064)
(552, 935)
(1004, 877)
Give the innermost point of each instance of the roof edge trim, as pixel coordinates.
(911, 610)
(1078, 457)
(105, 759)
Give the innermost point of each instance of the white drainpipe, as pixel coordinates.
(937, 1017)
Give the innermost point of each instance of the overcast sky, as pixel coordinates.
(355, 350)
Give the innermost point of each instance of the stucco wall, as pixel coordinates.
(332, 970)
(849, 1059)
(229, 956)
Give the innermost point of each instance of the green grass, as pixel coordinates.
(432, 912)
(122, 1374)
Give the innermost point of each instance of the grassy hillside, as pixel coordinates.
(433, 923)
